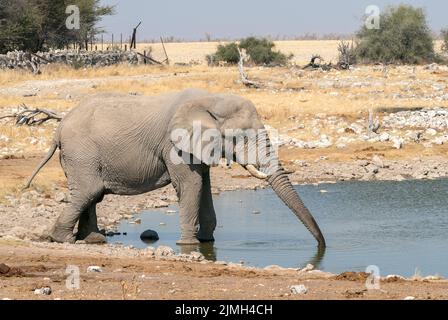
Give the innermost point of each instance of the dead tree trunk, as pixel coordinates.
(244, 79)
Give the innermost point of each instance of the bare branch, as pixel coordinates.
(33, 117)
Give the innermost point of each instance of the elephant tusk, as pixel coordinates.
(256, 173)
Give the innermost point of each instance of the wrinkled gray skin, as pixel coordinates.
(120, 144)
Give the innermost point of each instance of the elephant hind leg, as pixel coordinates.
(83, 198)
(88, 230)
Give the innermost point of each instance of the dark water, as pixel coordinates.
(400, 227)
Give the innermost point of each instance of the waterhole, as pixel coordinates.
(401, 227)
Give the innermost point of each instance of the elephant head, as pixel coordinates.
(210, 127)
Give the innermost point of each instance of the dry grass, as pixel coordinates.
(329, 93)
(301, 49)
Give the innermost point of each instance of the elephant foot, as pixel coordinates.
(205, 236)
(62, 236)
(95, 238)
(206, 239)
(189, 241)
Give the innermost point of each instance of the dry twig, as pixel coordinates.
(33, 117)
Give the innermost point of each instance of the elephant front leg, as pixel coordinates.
(207, 215)
(189, 215)
(188, 184)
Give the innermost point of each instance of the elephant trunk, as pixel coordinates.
(285, 191)
(270, 169)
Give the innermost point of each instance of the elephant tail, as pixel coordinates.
(50, 154)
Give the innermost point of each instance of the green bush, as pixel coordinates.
(228, 53)
(260, 51)
(403, 37)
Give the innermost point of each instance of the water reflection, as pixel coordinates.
(210, 252)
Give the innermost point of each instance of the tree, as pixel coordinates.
(403, 36)
(19, 25)
(34, 25)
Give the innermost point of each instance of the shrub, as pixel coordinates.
(260, 51)
(347, 54)
(228, 53)
(403, 36)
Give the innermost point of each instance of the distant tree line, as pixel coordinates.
(37, 25)
(403, 36)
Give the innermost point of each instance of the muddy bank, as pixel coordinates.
(110, 272)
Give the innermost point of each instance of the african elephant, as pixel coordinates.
(120, 144)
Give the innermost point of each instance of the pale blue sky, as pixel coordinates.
(190, 20)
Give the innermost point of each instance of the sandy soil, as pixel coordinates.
(129, 274)
(305, 106)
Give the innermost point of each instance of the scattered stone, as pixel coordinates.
(384, 137)
(256, 212)
(149, 236)
(309, 267)
(8, 271)
(136, 221)
(196, 256)
(397, 142)
(362, 163)
(394, 278)
(4, 268)
(298, 289)
(94, 269)
(164, 251)
(43, 291)
(409, 298)
(274, 267)
(60, 197)
(431, 132)
(377, 161)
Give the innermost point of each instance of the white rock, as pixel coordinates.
(397, 142)
(376, 160)
(273, 267)
(298, 289)
(60, 197)
(164, 251)
(43, 291)
(395, 276)
(409, 298)
(307, 268)
(94, 269)
(431, 131)
(196, 256)
(384, 137)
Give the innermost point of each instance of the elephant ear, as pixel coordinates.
(195, 132)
